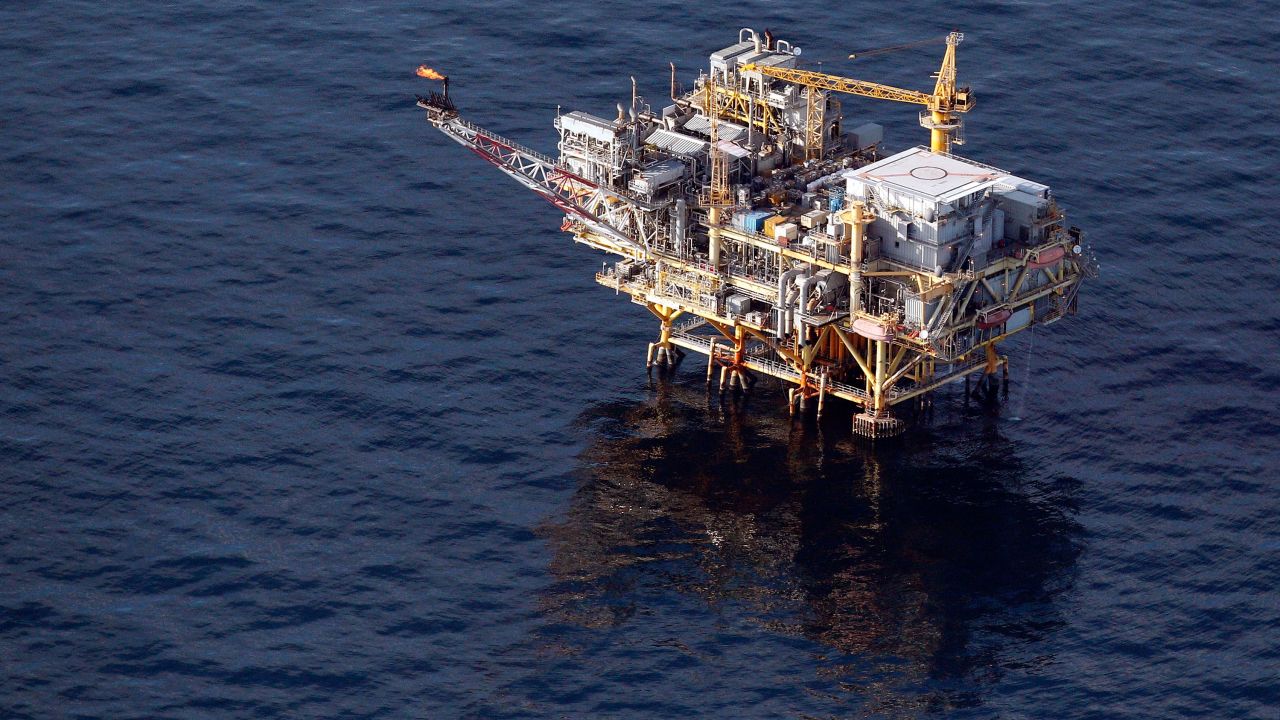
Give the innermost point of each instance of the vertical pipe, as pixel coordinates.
(855, 259)
(682, 223)
(881, 361)
(866, 353)
(939, 140)
(822, 393)
(713, 233)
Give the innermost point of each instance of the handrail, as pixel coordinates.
(506, 141)
(965, 160)
(696, 322)
(548, 160)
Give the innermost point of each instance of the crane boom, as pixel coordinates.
(944, 91)
(938, 117)
(835, 83)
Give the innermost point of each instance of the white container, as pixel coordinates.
(864, 136)
(786, 231)
(813, 219)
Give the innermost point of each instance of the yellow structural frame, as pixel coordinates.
(835, 361)
(941, 105)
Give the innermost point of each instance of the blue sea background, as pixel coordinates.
(308, 412)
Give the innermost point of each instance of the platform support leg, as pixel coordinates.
(876, 421)
(711, 361)
(733, 373)
(989, 372)
(822, 393)
(663, 353)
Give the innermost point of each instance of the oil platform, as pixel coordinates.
(766, 232)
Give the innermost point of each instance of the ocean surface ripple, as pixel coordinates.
(307, 412)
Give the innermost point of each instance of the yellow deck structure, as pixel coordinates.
(764, 236)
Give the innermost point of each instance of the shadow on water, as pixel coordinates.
(915, 573)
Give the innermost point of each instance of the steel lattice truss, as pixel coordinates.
(635, 227)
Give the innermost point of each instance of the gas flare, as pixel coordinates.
(428, 73)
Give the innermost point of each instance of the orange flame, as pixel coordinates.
(428, 73)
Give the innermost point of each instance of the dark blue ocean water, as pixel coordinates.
(307, 412)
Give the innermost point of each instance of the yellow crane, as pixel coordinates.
(939, 117)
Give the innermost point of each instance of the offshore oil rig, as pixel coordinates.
(765, 233)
